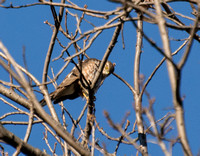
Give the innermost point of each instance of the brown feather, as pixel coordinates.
(72, 87)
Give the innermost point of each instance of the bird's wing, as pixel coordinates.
(68, 81)
(69, 91)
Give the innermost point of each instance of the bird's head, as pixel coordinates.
(108, 68)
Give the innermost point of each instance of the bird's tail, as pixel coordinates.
(43, 102)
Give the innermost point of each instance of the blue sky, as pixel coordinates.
(25, 27)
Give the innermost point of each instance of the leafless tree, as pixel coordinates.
(20, 91)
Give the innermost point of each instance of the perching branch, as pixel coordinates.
(91, 106)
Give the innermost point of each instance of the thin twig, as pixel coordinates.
(153, 123)
(193, 31)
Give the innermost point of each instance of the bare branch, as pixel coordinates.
(14, 141)
(174, 76)
(160, 142)
(138, 99)
(193, 31)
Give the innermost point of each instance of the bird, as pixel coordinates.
(74, 85)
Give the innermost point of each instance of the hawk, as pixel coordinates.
(74, 84)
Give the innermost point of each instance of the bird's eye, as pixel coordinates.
(106, 67)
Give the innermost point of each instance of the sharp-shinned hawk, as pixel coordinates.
(74, 86)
